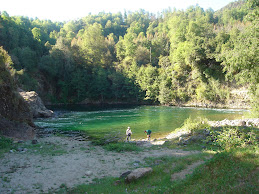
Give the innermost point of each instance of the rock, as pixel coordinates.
(237, 122)
(137, 174)
(36, 105)
(34, 141)
(89, 173)
(242, 123)
(20, 149)
(15, 116)
(196, 138)
(135, 164)
(11, 151)
(125, 174)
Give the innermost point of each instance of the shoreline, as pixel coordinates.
(81, 136)
(70, 160)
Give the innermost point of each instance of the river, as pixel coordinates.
(101, 121)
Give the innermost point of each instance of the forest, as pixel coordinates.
(137, 57)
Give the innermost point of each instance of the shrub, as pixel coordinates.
(193, 125)
(232, 137)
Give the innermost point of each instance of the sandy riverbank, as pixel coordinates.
(29, 171)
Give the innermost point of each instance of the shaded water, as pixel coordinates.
(100, 121)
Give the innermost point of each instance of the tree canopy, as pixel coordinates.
(175, 57)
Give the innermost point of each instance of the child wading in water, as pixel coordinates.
(128, 133)
(148, 134)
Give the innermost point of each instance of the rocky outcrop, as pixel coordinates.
(36, 105)
(15, 116)
(137, 174)
(236, 122)
(185, 136)
(238, 99)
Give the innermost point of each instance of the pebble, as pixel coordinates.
(136, 164)
(88, 173)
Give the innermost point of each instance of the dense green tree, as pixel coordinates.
(178, 56)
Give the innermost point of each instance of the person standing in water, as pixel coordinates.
(128, 134)
(148, 134)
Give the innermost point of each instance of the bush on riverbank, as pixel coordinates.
(195, 125)
(232, 137)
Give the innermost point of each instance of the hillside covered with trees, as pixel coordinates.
(135, 57)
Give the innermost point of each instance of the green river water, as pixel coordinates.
(101, 121)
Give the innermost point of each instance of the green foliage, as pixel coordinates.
(230, 137)
(194, 125)
(5, 142)
(173, 58)
(254, 100)
(6, 63)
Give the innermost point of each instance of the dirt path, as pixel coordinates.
(81, 162)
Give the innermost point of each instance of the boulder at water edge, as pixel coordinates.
(36, 105)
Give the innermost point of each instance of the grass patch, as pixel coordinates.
(156, 182)
(122, 147)
(227, 172)
(5, 144)
(48, 149)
